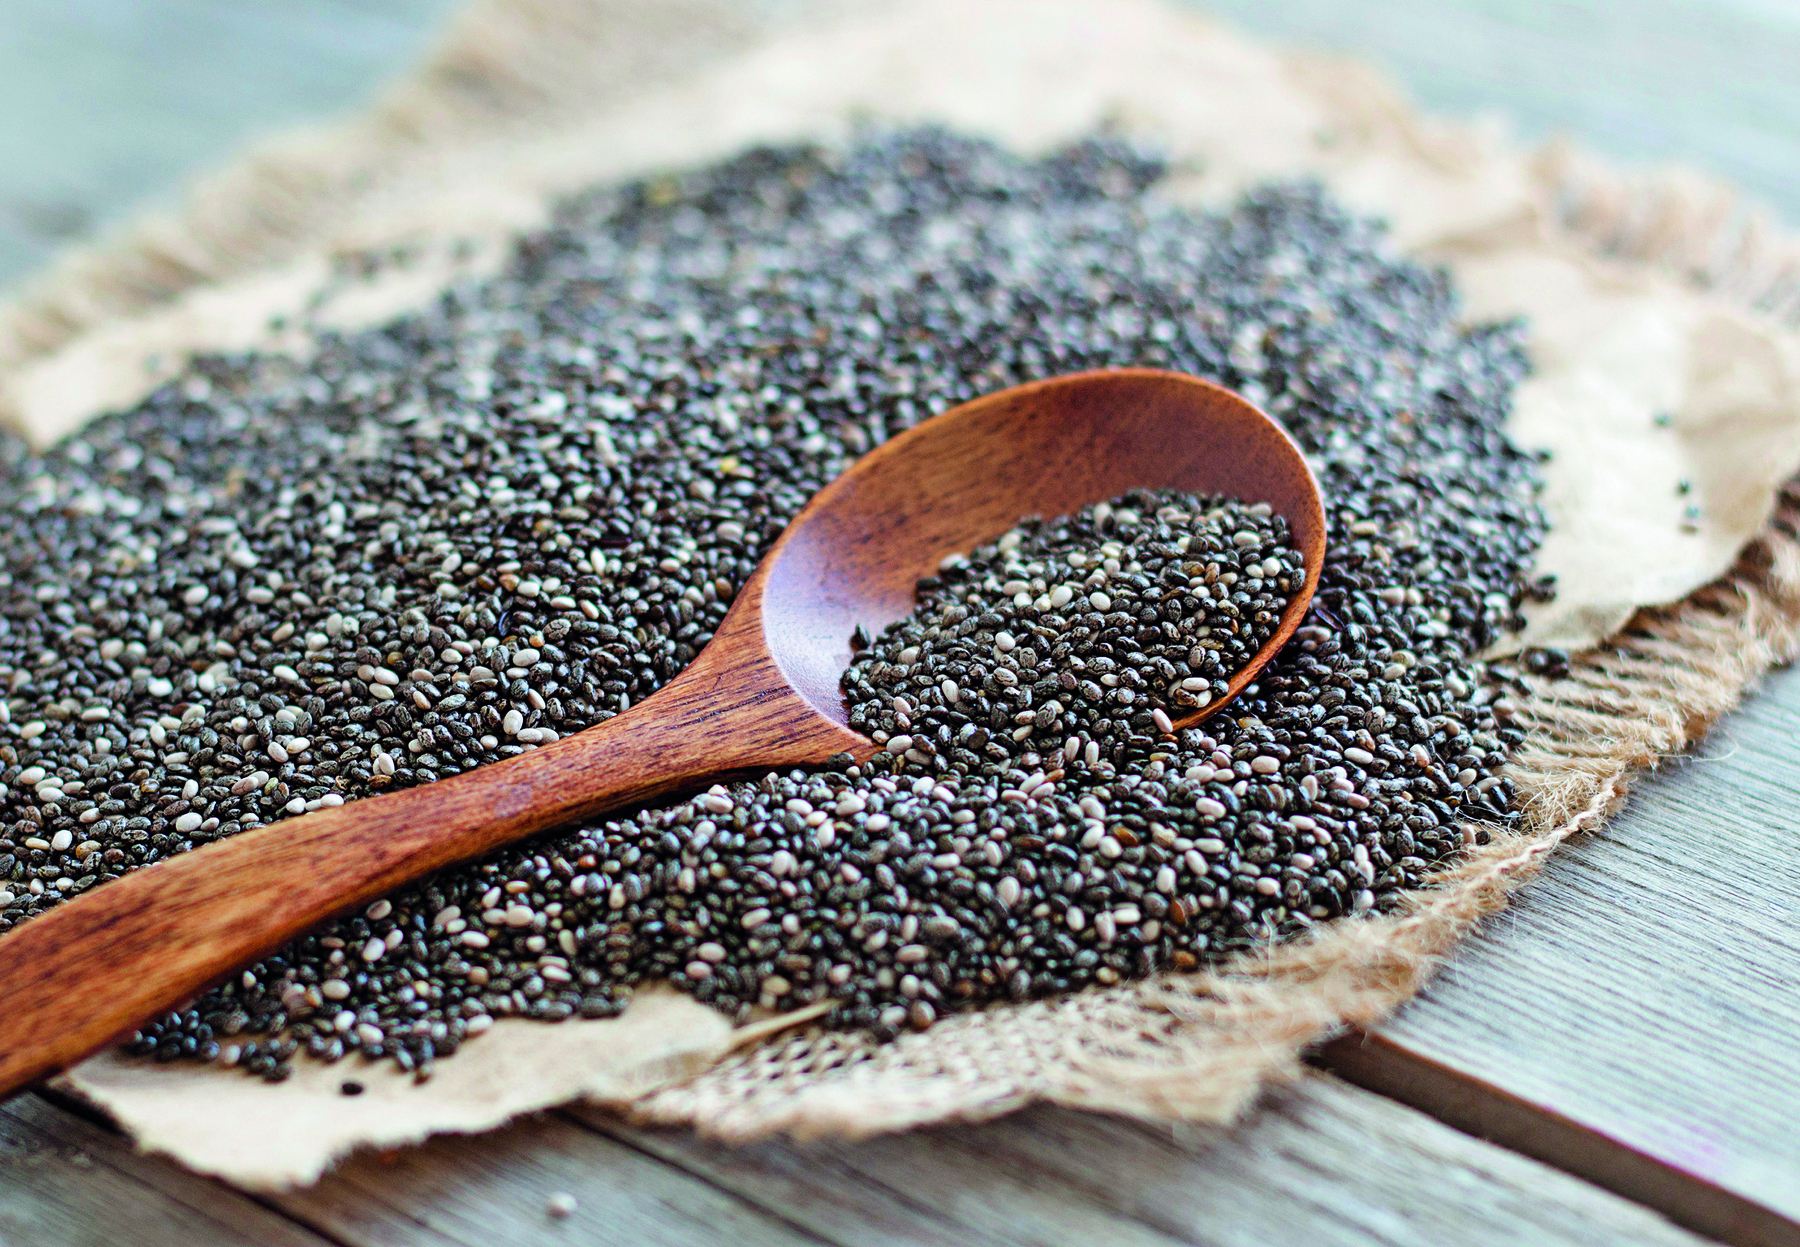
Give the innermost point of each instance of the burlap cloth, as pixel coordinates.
(1647, 295)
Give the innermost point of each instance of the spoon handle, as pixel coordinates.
(91, 969)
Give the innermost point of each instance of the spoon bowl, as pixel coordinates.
(764, 694)
(855, 554)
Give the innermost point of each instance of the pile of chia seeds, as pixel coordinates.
(276, 585)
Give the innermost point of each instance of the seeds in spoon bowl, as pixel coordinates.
(1096, 626)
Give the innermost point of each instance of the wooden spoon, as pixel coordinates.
(764, 694)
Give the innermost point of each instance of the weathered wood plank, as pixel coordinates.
(65, 1182)
(1647, 989)
(1488, 1112)
(493, 1190)
(936, 1187)
(1323, 1163)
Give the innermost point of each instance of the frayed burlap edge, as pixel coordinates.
(1195, 1047)
(1704, 231)
(1200, 1047)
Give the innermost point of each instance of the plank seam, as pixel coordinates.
(1492, 1114)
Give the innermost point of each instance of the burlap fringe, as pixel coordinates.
(1196, 1047)
(1701, 230)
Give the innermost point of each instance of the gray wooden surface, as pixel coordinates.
(1648, 987)
(1324, 1164)
(65, 1182)
(1628, 1036)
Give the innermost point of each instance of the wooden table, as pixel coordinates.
(1614, 1060)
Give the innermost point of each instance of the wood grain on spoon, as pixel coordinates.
(764, 694)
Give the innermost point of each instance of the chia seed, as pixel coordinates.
(277, 585)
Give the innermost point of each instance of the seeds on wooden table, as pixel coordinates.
(278, 585)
